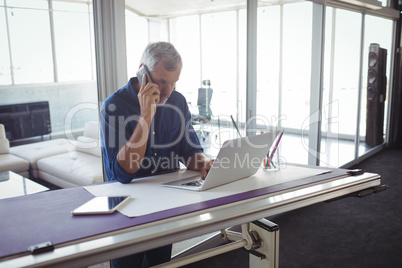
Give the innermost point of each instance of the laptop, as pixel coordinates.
(237, 159)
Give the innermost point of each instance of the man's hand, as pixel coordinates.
(130, 156)
(200, 162)
(148, 97)
(205, 169)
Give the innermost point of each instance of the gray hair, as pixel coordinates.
(161, 51)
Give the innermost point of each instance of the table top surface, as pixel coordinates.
(13, 185)
(128, 235)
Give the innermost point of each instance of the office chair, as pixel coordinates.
(204, 110)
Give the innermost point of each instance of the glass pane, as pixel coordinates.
(42, 4)
(295, 81)
(65, 6)
(377, 30)
(219, 55)
(74, 49)
(31, 45)
(327, 113)
(5, 72)
(268, 49)
(297, 35)
(384, 3)
(242, 66)
(186, 38)
(330, 124)
(341, 82)
(136, 41)
(346, 68)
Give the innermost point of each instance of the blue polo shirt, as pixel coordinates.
(171, 137)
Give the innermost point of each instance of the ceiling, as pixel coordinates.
(172, 8)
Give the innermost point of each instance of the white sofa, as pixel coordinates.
(66, 163)
(33, 152)
(10, 162)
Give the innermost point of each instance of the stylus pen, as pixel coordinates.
(276, 145)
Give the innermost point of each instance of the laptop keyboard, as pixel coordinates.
(196, 183)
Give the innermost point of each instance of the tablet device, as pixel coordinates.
(101, 205)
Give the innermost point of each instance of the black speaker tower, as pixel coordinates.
(376, 93)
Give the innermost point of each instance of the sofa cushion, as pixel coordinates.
(9, 162)
(35, 151)
(92, 130)
(2, 132)
(55, 180)
(4, 146)
(4, 143)
(88, 145)
(74, 167)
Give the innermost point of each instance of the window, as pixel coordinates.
(219, 59)
(5, 71)
(346, 68)
(341, 78)
(283, 81)
(42, 43)
(73, 41)
(37, 56)
(297, 34)
(213, 46)
(242, 67)
(268, 62)
(136, 41)
(35, 4)
(377, 30)
(186, 39)
(31, 46)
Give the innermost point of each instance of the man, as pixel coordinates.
(146, 129)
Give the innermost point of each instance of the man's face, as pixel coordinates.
(166, 80)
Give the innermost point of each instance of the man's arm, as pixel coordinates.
(130, 156)
(200, 162)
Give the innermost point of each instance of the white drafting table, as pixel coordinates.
(140, 237)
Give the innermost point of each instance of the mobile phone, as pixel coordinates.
(143, 70)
